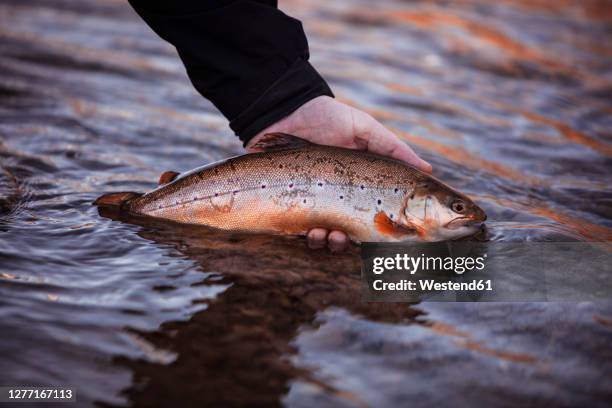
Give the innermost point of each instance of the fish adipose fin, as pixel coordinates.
(387, 226)
(116, 200)
(167, 177)
(279, 141)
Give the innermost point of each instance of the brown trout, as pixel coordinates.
(294, 186)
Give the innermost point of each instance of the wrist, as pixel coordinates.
(300, 84)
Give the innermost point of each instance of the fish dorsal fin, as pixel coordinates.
(279, 141)
(167, 177)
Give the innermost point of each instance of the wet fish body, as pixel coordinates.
(296, 186)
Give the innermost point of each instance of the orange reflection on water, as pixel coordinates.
(465, 341)
(569, 132)
(462, 156)
(514, 48)
(581, 227)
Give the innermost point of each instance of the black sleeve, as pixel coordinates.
(246, 56)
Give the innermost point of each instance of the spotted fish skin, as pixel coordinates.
(292, 190)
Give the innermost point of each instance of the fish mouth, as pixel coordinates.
(464, 222)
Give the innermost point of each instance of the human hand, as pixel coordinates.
(326, 121)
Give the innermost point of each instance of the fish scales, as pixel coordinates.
(287, 192)
(292, 190)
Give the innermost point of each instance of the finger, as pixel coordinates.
(317, 238)
(337, 241)
(405, 153)
(381, 140)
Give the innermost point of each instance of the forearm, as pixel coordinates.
(247, 57)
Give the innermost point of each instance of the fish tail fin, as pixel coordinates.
(116, 200)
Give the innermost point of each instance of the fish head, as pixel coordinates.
(438, 213)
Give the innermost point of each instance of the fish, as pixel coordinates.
(291, 186)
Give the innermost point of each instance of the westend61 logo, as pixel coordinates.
(468, 271)
(410, 264)
(409, 273)
(431, 270)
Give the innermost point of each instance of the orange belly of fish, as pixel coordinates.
(265, 216)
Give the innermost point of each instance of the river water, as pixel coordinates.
(511, 103)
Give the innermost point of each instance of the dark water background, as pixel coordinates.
(510, 101)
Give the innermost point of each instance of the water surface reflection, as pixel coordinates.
(510, 101)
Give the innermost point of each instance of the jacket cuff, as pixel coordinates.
(297, 86)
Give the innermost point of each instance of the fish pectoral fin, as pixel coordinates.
(279, 141)
(167, 177)
(387, 226)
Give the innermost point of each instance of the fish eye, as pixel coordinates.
(458, 206)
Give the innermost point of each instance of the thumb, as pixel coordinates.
(380, 140)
